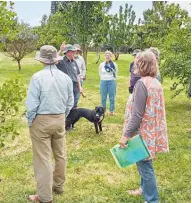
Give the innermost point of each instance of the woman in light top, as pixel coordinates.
(108, 74)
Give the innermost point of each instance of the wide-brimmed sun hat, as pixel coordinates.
(69, 47)
(48, 55)
(77, 46)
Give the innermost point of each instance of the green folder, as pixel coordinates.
(134, 152)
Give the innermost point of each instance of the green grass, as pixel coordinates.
(92, 175)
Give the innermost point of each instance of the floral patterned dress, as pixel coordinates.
(153, 127)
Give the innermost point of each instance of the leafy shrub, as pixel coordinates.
(12, 93)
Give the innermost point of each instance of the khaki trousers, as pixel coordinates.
(48, 135)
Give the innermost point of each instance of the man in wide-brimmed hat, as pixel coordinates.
(69, 66)
(49, 101)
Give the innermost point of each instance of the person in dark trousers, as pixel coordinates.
(69, 66)
(133, 76)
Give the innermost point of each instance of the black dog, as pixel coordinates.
(95, 116)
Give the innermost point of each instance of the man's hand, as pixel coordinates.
(123, 141)
(82, 77)
(83, 95)
(80, 89)
(62, 47)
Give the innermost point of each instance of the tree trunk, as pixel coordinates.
(116, 56)
(85, 49)
(19, 64)
(189, 90)
(98, 54)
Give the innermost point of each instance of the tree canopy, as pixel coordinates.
(22, 44)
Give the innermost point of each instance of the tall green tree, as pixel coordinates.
(74, 22)
(167, 27)
(86, 19)
(177, 54)
(120, 29)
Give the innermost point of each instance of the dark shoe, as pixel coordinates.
(57, 191)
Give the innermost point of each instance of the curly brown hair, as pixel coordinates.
(146, 64)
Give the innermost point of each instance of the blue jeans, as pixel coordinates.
(76, 94)
(148, 181)
(108, 87)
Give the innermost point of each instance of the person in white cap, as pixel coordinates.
(80, 62)
(49, 101)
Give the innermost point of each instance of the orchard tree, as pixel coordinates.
(22, 44)
(167, 27)
(177, 54)
(100, 35)
(85, 20)
(120, 29)
(158, 21)
(75, 22)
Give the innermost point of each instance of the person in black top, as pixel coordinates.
(70, 67)
(133, 76)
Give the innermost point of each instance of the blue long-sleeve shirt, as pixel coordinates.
(50, 92)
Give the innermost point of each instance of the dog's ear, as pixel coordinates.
(96, 107)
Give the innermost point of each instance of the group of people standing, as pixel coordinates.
(56, 89)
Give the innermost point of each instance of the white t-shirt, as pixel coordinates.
(104, 75)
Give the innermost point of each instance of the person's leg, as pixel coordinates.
(42, 160)
(59, 151)
(148, 181)
(112, 94)
(76, 94)
(103, 93)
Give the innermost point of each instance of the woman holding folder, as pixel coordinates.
(145, 115)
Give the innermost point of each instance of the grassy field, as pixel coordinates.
(92, 175)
